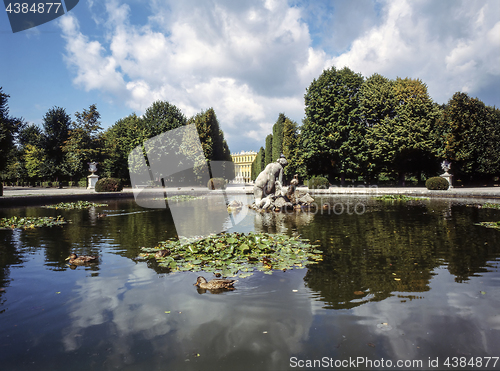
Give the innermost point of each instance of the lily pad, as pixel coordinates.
(236, 254)
(75, 205)
(180, 198)
(399, 197)
(30, 222)
(494, 225)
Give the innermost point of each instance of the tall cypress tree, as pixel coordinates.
(258, 163)
(278, 137)
(269, 150)
(290, 143)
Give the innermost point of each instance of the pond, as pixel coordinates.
(411, 282)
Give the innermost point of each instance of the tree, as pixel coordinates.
(9, 126)
(269, 150)
(333, 135)
(160, 117)
(471, 132)
(400, 138)
(290, 147)
(212, 141)
(277, 147)
(36, 162)
(84, 143)
(56, 125)
(119, 140)
(258, 164)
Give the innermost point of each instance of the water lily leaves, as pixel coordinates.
(75, 205)
(29, 222)
(494, 225)
(236, 253)
(246, 274)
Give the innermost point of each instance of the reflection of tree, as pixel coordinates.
(469, 248)
(8, 256)
(395, 247)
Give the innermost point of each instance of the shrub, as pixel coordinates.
(109, 185)
(318, 182)
(437, 183)
(82, 183)
(216, 183)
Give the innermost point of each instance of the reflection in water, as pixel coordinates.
(390, 285)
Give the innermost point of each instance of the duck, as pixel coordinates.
(82, 259)
(202, 283)
(162, 253)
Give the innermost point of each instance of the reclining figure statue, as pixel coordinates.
(269, 183)
(269, 192)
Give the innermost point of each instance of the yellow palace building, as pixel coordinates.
(243, 166)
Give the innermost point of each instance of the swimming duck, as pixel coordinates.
(82, 259)
(202, 283)
(162, 253)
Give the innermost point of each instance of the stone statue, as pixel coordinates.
(268, 181)
(446, 165)
(269, 192)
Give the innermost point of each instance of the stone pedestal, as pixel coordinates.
(448, 177)
(92, 181)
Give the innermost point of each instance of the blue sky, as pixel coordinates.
(249, 60)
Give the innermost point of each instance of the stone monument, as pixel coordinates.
(92, 179)
(445, 165)
(269, 193)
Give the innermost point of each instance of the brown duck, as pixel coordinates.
(202, 283)
(82, 259)
(162, 253)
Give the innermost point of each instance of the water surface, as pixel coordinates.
(399, 281)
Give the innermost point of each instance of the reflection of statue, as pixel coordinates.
(268, 181)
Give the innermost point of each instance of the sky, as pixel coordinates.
(249, 60)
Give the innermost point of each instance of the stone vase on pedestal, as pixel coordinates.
(92, 181)
(448, 177)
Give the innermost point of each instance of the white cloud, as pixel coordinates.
(247, 61)
(252, 60)
(422, 40)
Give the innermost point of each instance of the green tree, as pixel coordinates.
(403, 141)
(160, 117)
(277, 147)
(84, 143)
(36, 162)
(269, 150)
(9, 127)
(258, 163)
(332, 135)
(212, 141)
(290, 147)
(56, 125)
(471, 132)
(119, 140)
